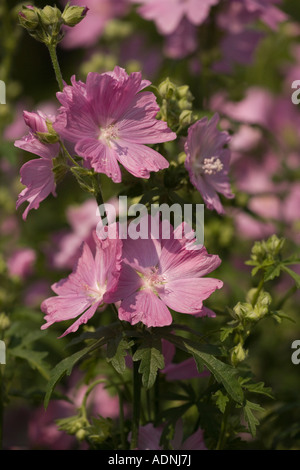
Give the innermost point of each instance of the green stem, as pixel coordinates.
(53, 55)
(223, 432)
(67, 153)
(136, 405)
(90, 388)
(156, 397)
(258, 290)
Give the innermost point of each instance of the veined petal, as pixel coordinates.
(187, 295)
(144, 306)
(37, 175)
(101, 157)
(139, 160)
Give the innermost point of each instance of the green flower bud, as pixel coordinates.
(241, 310)
(4, 321)
(186, 118)
(238, 354)
(183, 92)
(261, 307)
(166, 89)
(72, 425)
(274, 244)
(28, 17)
(50, 15)
(72, 15)
(81, 434)
(50, 137)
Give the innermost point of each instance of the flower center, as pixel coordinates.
(107, 134)
(152, 279)
(211, 166)
(96, 292)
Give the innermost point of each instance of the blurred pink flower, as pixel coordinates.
(149, 438)
(183, 370)
(167, 14)
(138, 48)
(89, 286)
(182, 42)
(266, 11)
(158, 273)
(238, 14)
(88, 31)
(255, 108)
(237, 48)
(83, 220)
(207, 161)
(21, 262)
(37, 174)
(291, 211)
(36, 292)
(110, 121)
(43, 432)
(250, 228)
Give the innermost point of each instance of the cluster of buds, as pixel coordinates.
(264, 253)
(45, 24)
(247, 311)
(245, 314)
(176, 105)
(74, 425)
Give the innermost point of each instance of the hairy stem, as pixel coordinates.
(56, 67)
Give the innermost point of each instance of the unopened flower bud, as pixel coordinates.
(183, 91)
(261, 307)
(186, 118)
(166, 88)
(4, 321)
(50, 137)
(72, 15)
(81, 434)
(238, 354)
(28, 17)
(50, 15)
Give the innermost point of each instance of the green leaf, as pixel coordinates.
(272, 272)
(294, 275)
(258, 387)
(222, 372)
(34, 358)
(225, 332)
(221, 400)
(65, 368)
(152, 359)
(250, 418)
(116, 352)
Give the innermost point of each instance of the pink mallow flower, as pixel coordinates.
(37, 174)
(207, 161)
(89, 286)
(167, 14)
(110, 121)
(161, 273)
